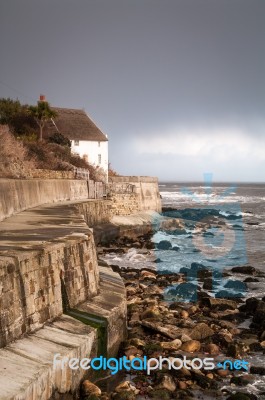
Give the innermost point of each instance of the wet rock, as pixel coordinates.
(164, 245)
(257, 370)
(191, 346)
(182, 385)
(137, 342)
(131, 290)
(116, 268)
(160, 394)
(167, 382)
(241, 396)
(150, 313)
(133, 351)
(174, 345)
(208, 284)
(185, 338)
(236, 285)
(193, 309)
(223, 372)
(175, 248)
(220, 304)
(124, 386)
(205, 382)
(259, 316)
(237, 350)
(88, 389)
(201, 331)
(249, 279)
(246, 270)
(103, 263)
(183, 292)
(184, 314)
(212, 349)
(172, 332)
(124, 396)
(225, 294)
(262, 336)
(250, 305)
(153, 289)
(147, 275)
(242, 380)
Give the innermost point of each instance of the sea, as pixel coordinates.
(234, 215)
(235, 236)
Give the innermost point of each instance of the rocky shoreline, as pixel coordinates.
(209, 327)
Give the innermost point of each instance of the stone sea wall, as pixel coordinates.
(95, 211)
(48, 267)
(132, 194)
(31, 291)
(17, 195)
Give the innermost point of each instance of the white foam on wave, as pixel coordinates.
(207, 198)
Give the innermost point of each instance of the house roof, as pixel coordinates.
(75, 125)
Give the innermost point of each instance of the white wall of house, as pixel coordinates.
(96, 153)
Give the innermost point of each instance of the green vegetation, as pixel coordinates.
(23, 146)
(42, 113)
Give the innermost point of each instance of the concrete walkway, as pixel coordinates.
(31, 229)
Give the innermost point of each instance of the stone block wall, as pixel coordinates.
(95, 211)
(146, 193)
(31, 289)
(50, 174)
(125, 203)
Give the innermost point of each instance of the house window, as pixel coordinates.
(76, 142)
(99, 159)
(98, 144)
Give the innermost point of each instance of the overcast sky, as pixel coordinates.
(177, 85)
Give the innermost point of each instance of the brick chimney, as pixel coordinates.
(42, 97)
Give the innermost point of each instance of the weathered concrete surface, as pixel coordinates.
(17, 195)
(111, 304)
(46, 253)
(26, 366)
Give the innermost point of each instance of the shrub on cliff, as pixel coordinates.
(112, 172)
(16, 116)
(60, 158)
(14, 158)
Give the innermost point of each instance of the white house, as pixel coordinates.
(86, 138)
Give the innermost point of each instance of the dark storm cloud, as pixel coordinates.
(188, 71)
